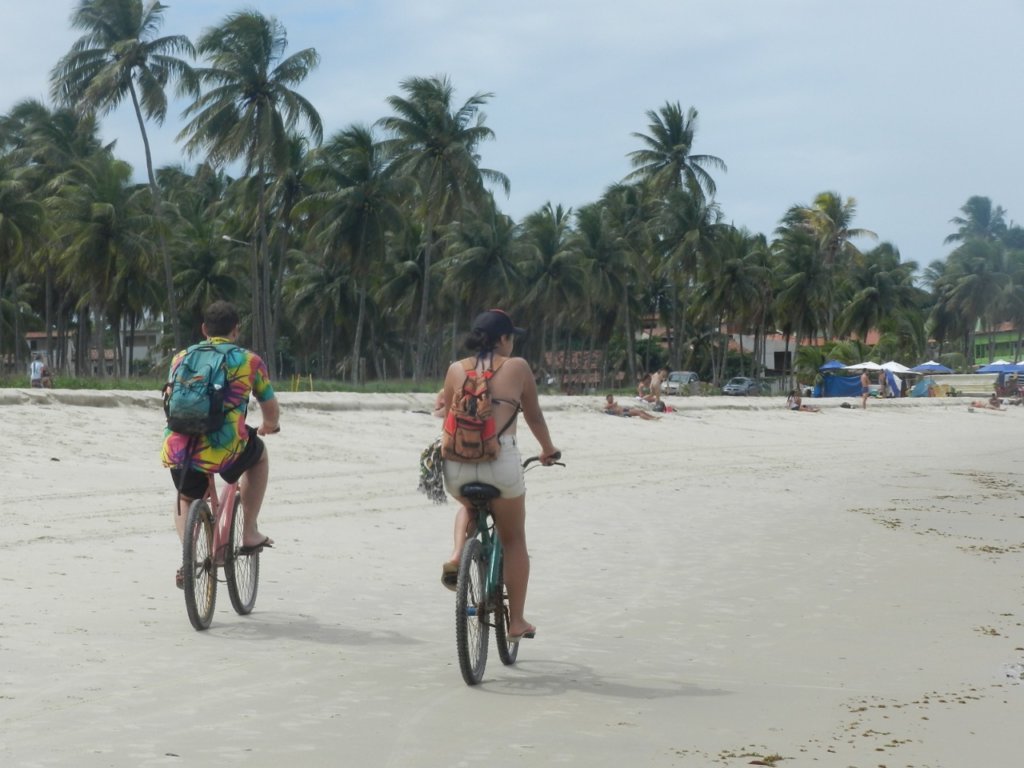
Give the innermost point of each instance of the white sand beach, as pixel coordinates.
(731, 584)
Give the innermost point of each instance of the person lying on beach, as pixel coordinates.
(994, 403)
(795, 403)
(614, 409)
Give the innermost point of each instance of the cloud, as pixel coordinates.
(909, 107)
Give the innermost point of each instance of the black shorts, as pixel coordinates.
(192, 483)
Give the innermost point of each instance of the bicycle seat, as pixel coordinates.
(480, 491)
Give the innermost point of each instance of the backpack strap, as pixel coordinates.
(470, 368)
(516, 404)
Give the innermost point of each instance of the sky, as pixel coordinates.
(908, 106)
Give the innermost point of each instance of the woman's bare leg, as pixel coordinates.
(461, 532)
(510, 520)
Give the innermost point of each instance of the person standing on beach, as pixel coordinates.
(235, 451)
(657, 379)
(512, 389)
(35, 372)
(865, 389)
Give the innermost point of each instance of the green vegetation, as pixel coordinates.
(362, 253)
(143, 384)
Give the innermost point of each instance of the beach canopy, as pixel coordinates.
(833, 365)
(1001, 367)
(931, 367)
(895, 367)
(865, 366)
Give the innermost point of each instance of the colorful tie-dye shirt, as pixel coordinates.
(215, 452)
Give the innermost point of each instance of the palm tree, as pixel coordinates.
(355, 203)
(436, 144)
(247, 111)
(121, 56)
(98, 213)
(552, 270)
(320, 302)
(684, 230)
(46, 144)
(882, 287)
(206, 266)
(604, 259)
(979, 281)
(829, 221)
(667, 162)
(802, 299)
(734, 285)
(980, 220)
(481, 262)
(21, 223)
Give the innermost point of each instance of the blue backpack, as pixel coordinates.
(194, 396)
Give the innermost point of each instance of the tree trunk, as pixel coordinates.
(421, 331)
(357, 341)
(172, 302)
(630, 348)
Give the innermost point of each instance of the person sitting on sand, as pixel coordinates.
(614, 409)
(795, 403)
(643, 389)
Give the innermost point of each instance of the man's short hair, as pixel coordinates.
(220, 318)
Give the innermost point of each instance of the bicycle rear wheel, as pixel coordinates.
(507, 651)
(471, 613)
(198, 568)
(242, 572)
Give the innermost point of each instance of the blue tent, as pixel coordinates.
(832, 365)
(1001, 368)
(931, 367)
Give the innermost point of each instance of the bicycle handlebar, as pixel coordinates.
(554, 460)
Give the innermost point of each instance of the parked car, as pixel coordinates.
(678, 382)
(741, 385)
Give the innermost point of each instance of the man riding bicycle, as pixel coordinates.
(235, 450)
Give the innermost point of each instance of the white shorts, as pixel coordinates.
(505, 473)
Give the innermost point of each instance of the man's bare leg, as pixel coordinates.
(253, 487)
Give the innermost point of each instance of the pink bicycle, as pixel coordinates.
(213, 539)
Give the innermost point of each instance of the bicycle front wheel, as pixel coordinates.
(242, 572)
(471, 613)
(198, 567)
(507, 651)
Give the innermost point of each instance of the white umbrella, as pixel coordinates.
(868, 366)
(895, 367)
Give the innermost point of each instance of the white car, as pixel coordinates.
(678, 382)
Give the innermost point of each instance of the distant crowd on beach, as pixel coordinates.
(647, 404)
(648, 398)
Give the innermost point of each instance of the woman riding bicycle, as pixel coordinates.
(512, 389)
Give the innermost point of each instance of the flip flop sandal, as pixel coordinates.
(450, 575)
(179, 578)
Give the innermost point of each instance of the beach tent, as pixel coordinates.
(922, 387)
(892, 372)
(1000, 366)
(932, 368)
(833, 365)
(833, 384)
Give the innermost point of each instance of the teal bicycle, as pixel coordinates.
(480, 598)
